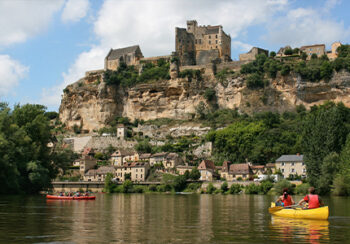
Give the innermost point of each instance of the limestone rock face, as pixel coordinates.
(90, 103)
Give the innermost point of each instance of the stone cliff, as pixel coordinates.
(90, 104)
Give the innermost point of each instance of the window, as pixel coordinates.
(282, 170)
(292, 164)
(303, 163)
(304, 170)
(292, 170)
(216, 41)
(216, 36)
(282, 164)
(209, 36)
(136, 170)
(141, 176)
(196, 41)
(136, 175)
(209, 42)
(140, 170)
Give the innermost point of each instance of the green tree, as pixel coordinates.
(224, 187)
(195, 174)
(288, 51)
(324, 131)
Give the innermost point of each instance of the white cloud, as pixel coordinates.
(241, 45)
(90, 60)
(74, 10)
(305, 26)
(151, 24)
(20, 20)
(11, 71)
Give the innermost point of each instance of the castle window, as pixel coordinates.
(209, 42)
(209, 36)
(216, 47)
(196, 41)
(216, 36)
(216, 41)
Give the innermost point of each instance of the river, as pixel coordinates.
(162, 218)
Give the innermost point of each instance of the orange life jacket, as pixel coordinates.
(287, 201)
(313, 201)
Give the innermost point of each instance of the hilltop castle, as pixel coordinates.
(202, 44)
(195, 45)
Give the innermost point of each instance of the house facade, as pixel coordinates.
(99, 174)
(242, 171)
(137, 171)
(207, 170)
(181, 169)
(318, 49)
(88, 162)
(291, 165)
(123, 155)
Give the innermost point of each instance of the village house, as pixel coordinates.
(258, 169)
(318, 49)
(224, 174)
(158, 158)
(207, 170)
(128, 55)
(137, 171)
(281, 51)
(99, 174)
(171, 161)
(242, 171)
(123, 155)
(86, 163)
(291, 165)
(76, 163)
(181, 169)
(145, 157)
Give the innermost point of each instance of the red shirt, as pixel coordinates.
(312, 200)
(287, 201)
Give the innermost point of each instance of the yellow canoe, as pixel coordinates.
(321, 213)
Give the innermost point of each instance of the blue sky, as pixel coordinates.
(46, 45)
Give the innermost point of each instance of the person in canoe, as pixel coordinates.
(312, 199)
(285, 200)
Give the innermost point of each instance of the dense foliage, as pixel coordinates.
(27, 164)
(313, 70)
(128, 76)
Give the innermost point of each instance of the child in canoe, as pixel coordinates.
(285, 200)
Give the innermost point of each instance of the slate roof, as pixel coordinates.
(161, 154)
(270, 165)
(117, 53)
(145, 156)
(290, 158)
(105, 169)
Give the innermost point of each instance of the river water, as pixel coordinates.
(161, 218)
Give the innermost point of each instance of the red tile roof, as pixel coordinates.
(207, 164)
(240, 169)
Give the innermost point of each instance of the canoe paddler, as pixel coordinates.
(285, 200)
(312, 199)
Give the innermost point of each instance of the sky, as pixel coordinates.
(47, 45)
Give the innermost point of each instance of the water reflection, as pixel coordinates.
(307, 231)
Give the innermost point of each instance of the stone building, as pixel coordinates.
(99, 174)
(291, 165)
(128, 55)
(121, 131)
(122, 156)
(202, 44)
(282, 50)
(333, 54)
(318, 49)
(136, 170)
(250, 56)
(181, 169)
(243, 171)
(87, 162)
(207, 170)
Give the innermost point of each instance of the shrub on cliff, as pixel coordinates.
(255, 81)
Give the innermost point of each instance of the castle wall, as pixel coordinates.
(206, 56)
(184, 46)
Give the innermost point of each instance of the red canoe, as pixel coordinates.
(70, 198)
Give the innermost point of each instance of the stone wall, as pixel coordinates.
(206, 56)
(103, 142)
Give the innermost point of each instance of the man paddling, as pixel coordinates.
(312, 199)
